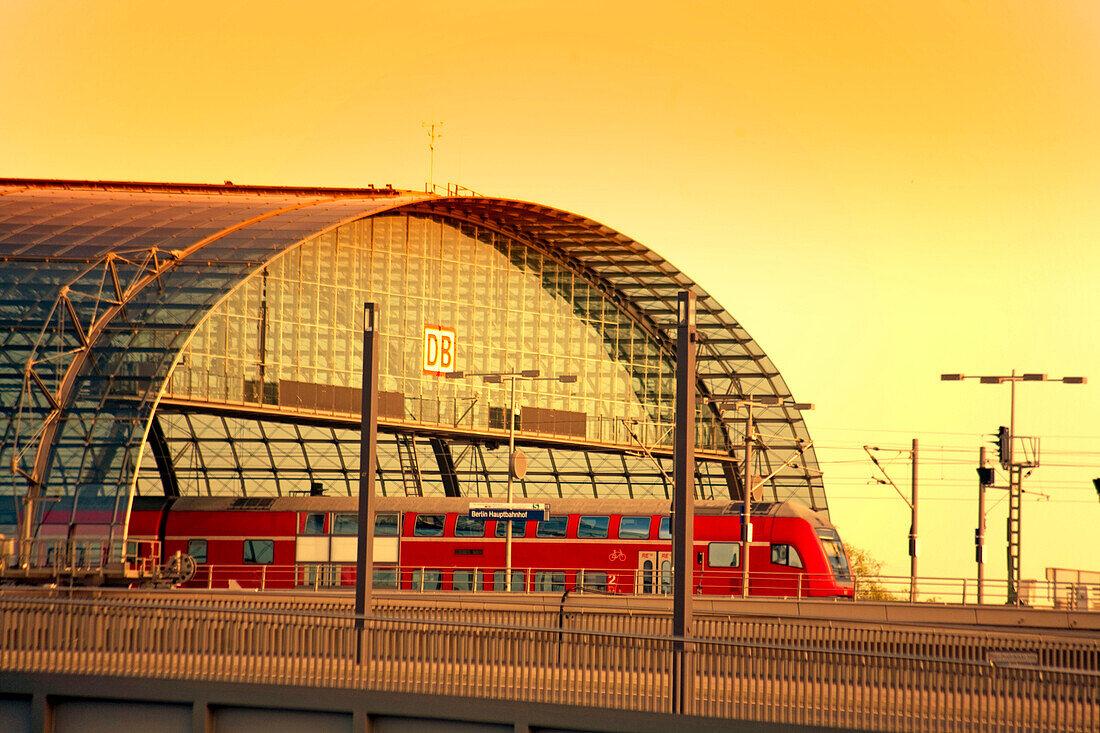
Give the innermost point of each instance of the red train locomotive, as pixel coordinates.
(611, 546)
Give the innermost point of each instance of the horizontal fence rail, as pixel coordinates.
(775, 670)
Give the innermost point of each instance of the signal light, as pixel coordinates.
(985, 476)
(1002, 442)
(1096, 483)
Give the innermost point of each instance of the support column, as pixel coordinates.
(368, 457)
(683, 502)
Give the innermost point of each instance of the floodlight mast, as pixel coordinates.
(1014, 467)
(531, 375)
(749, 402)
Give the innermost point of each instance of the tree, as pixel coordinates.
(866, 569)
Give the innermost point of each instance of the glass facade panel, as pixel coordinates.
(214, 456)
(280, 338)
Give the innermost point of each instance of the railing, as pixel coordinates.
(631, 581)
(766, 671)
(625, 581)
(63, 556)
(1053, 592)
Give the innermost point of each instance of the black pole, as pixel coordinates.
(368, 460)
(683, 500)
(979, 533)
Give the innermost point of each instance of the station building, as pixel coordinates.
(197, 340)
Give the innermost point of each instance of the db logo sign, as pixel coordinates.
(439, 350)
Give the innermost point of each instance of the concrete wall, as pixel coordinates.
(60, 703)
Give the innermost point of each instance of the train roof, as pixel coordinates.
(427, 505)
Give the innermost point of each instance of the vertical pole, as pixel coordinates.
(511, 473)
(368, 457)
(979, 534)
(914, 546)
(26, 527)
(1014, 502)
(683, 500)
(746, 505)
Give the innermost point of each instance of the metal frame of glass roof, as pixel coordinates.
(102, 283)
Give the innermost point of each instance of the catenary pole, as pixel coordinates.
(979, 534)
(746, 504)
(914, 541)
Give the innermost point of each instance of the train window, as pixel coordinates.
(467, 580)
(724, 554)
(517, 580)
(314, 524)
(259, 552)
(593, 527)
(345, 524)
(385, 577)
(469, 527)
(197, 550)
(634, 528)
(318, 575)
(429, 525)
(592, 580)
(664, 532)
(387, 525)
(552, 527)
(786, 555)
(552, 581)
(427, 579)
(834, 551)
(519, 528)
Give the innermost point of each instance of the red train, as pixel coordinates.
(612, 546)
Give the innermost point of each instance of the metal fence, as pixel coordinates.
(775, 671)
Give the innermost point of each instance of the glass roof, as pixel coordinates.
(100, 288)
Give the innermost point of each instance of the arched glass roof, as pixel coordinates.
(102, 284)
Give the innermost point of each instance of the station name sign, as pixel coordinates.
(502, 511)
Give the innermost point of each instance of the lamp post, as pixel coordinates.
(749, 402)
(1013, 466)
(517, 461)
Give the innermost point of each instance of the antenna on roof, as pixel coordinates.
(432, 137)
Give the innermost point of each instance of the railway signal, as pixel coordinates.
(1014, 465)
(1003, 441)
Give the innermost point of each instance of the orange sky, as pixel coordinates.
(880, 191)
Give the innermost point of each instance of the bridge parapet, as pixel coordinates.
(780, 671)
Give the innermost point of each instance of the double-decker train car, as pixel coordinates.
(611, 546)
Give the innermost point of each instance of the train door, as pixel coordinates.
(654, 573)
